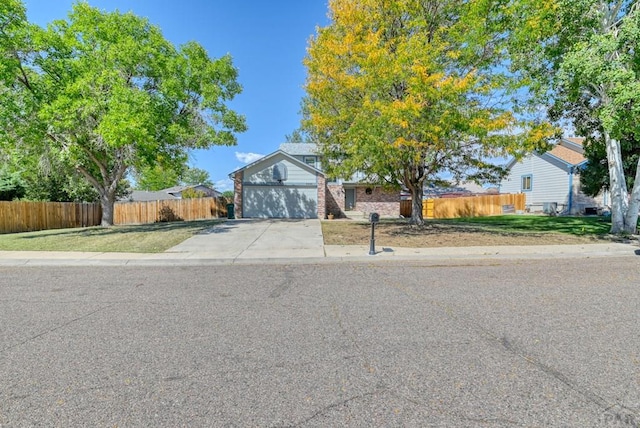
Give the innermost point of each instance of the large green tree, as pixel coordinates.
(106, 92)
(193, 176)
(156, 177)
(406, 90)
(583, 61)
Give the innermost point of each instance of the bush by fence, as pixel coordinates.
(29, 216)
(474, 206)
(18, 216)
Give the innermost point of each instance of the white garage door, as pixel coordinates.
(280, 201)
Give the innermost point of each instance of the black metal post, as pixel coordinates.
(372, 245)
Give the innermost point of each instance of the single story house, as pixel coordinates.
(176, 191)
(551, 180)
(290, 183)
(170, 193)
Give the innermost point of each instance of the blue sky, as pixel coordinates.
(267, 40)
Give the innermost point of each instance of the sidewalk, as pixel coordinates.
(332, 254)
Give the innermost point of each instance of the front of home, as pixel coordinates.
(551, 180)
(289, 183)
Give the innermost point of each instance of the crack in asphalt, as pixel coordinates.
(459, 315)
(51, 330)
(332, 406)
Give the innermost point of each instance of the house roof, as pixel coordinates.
(299, 149)
(575, 140)
(271, 155)
(175, 189)
(178, 189)
(566, 154)
(146, 196)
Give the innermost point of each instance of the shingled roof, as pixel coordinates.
(570, 156)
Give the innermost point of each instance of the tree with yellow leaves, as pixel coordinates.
(405, 91)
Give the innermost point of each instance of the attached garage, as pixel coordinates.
(278, 186)
(280, 201)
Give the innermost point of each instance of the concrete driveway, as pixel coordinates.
(256, 239)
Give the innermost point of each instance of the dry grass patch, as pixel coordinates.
(147, 238)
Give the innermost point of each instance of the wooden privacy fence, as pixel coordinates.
(30, 216)
(18, 216)
(474, 206)
(169, 210)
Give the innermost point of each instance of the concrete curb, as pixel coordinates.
(332, 254)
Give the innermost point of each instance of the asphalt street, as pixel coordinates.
(539, 343)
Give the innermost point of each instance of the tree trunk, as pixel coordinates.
(107, 201)
(617, 185)
(631, 217)
(416, 204)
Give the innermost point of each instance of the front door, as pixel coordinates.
(349, 199)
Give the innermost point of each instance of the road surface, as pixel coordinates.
(543, 343)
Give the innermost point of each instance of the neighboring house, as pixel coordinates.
(176, 191)
(146, 196)
(457, 189)
(289, 183)
(171, 193)
(551, 180)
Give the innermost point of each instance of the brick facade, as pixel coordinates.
(384, 202)
(335, 200)
(237, 193)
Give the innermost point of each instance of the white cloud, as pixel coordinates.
(223, 185)
(248, 157)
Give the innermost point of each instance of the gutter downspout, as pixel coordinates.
(570, 190)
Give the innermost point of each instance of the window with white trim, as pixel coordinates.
(527, 183)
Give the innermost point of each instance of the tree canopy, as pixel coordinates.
(582, 60)
(404, 90)
(105, 92)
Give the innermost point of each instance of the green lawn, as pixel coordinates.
(538, 223)
(148, 238)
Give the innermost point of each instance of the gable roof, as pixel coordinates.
(276, 153)
(178, 189)
(567, 154)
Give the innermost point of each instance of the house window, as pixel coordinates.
(526, 183)
(310, 160)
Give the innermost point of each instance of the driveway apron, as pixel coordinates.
(256, 239)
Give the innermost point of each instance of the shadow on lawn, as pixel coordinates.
(196, 226)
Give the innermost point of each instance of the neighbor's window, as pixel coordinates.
(526, 183)
(310, 160)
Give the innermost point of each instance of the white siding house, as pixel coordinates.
(551, 180)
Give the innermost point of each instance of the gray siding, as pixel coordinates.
(262, 173)
(549, 183)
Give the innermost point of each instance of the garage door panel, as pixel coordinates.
(280, 202)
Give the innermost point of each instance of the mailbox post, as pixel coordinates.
(373, 219)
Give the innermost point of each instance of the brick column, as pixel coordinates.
(237, 193)
(322, 196)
